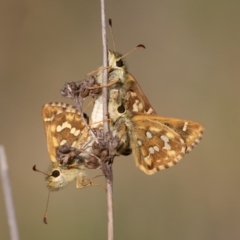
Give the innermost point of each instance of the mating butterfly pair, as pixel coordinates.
(156, 142)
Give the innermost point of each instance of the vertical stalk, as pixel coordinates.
(107, 168)
(7, 192)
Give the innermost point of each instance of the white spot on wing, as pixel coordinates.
(151, 150)
(183, 147)
(161, 167)
(170, 164)
(63, 142)
(59, 128)
(140, 106)
(73, 130)
(135, 105)
(156, 148)
(148, 134)
(77, 133)
(59, 111)
(63, 126)
(185, 126)
(66, 125)
(165, 140)
(149, 111)
(48, 119)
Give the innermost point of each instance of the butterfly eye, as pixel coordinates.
(126, 152)
(121, 109)
(119, 63)
(86, 117)
(55, 173)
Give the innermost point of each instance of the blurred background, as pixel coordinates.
(190, 69)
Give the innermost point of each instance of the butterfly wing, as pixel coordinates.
(159, 143)
(138, 101)
(63, 124)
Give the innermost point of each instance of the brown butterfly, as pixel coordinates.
(156, 142)
(122, 87)
(66, 136)
(126, 87)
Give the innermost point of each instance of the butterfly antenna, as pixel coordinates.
(104, 120)
(89, 103)
(45, 214)
(137, 47)
(97, 70)
(111, 30)
(36, 170)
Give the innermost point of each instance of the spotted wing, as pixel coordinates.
(138, 101)
(159, 143)
(63, 124)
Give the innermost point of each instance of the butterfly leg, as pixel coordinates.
(84, 183)
(107, 85)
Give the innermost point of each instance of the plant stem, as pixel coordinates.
(107, 169)
(12, 222)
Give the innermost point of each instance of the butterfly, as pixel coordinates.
(122, 86)
(126, 86)
(69, 145)
(156, 142)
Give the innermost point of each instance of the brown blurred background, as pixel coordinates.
(189, 70)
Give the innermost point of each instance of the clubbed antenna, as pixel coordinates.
(138, 46)
(111, 30)
(45, 214)
(36, 170)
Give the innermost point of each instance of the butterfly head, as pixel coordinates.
(60, 176)
(115, 60)
(117, 67)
